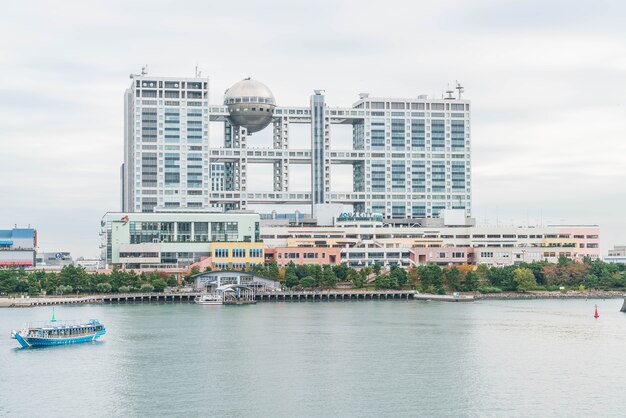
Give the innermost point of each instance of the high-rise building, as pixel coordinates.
(410, 157)
(165, 143)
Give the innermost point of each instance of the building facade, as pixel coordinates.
(303, 255)
(54, 260)
(175, 240)
(18, 247)
(617, 254)
(166, 139)
(422, 241)
(410, 157)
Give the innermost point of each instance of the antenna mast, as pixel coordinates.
(460, 89)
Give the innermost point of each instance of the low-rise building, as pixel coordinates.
(303, 255)
(616, 255)
(178, 239)
(444, 241)
(212, 280)
(54, 260)
(18, 247)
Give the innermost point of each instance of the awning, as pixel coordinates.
(6, 242)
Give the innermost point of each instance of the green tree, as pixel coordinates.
(524, 279)
(471, 281)
(291, 278)
(453, 278)
(103, 287)
(356, 278)
(329, 280)
(430, 275)
(159, 285)
(399, 275)
(307, 282)
(385, 282)
(273, 271)
(172, 281)
(34, 288)
(341, 271)
(376, 268)
(146, 287)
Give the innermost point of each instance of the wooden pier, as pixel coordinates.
(188, 297)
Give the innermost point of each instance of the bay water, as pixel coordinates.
(491, 358)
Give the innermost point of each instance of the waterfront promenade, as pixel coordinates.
(188, 297)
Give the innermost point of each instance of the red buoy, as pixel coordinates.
(595, 315)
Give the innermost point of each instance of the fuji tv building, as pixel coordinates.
(410, 157)
(410, 160)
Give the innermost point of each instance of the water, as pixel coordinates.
(344, 359)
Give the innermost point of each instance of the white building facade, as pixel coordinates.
(410, 157)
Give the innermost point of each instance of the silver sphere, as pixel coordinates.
(250, 104)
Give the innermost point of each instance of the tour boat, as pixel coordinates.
(45, 333)
(208, 299)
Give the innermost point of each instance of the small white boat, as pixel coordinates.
(209, 299)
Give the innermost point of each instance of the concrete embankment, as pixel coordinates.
(609, 294)
(303, 296)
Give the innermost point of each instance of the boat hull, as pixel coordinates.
(44, 342)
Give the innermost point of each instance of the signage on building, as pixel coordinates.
(360, 216)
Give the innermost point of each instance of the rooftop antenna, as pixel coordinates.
(198, 72)
(449, 93)
(460, 89)
(144, 70)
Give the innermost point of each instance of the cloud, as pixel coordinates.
(545, 79)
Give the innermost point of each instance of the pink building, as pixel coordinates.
(443, 256)
(303, 255)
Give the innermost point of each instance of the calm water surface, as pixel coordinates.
(344, 359)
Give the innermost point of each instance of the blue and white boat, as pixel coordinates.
(45, 333)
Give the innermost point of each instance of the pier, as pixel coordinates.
(188, 297)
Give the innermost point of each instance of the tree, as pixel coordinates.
(103, 287)
(172, 281)
(386, 281)
(273, 271)
(376, 268)
(471, 281)
(524, 279)
(291, 278)
(399, 275)
(307, 282)
(414, 277)
(341, 271)
(430, 275)
(453, 278)
(356, 278)
(159, 285)
(146, 287)
(34, 288)
(329, 280)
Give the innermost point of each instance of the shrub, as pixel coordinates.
(489, 289)
(147, 287)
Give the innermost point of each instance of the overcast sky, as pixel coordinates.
(546, 80)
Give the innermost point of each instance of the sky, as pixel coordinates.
(546, 80)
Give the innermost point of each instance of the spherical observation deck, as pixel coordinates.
(250, 104)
